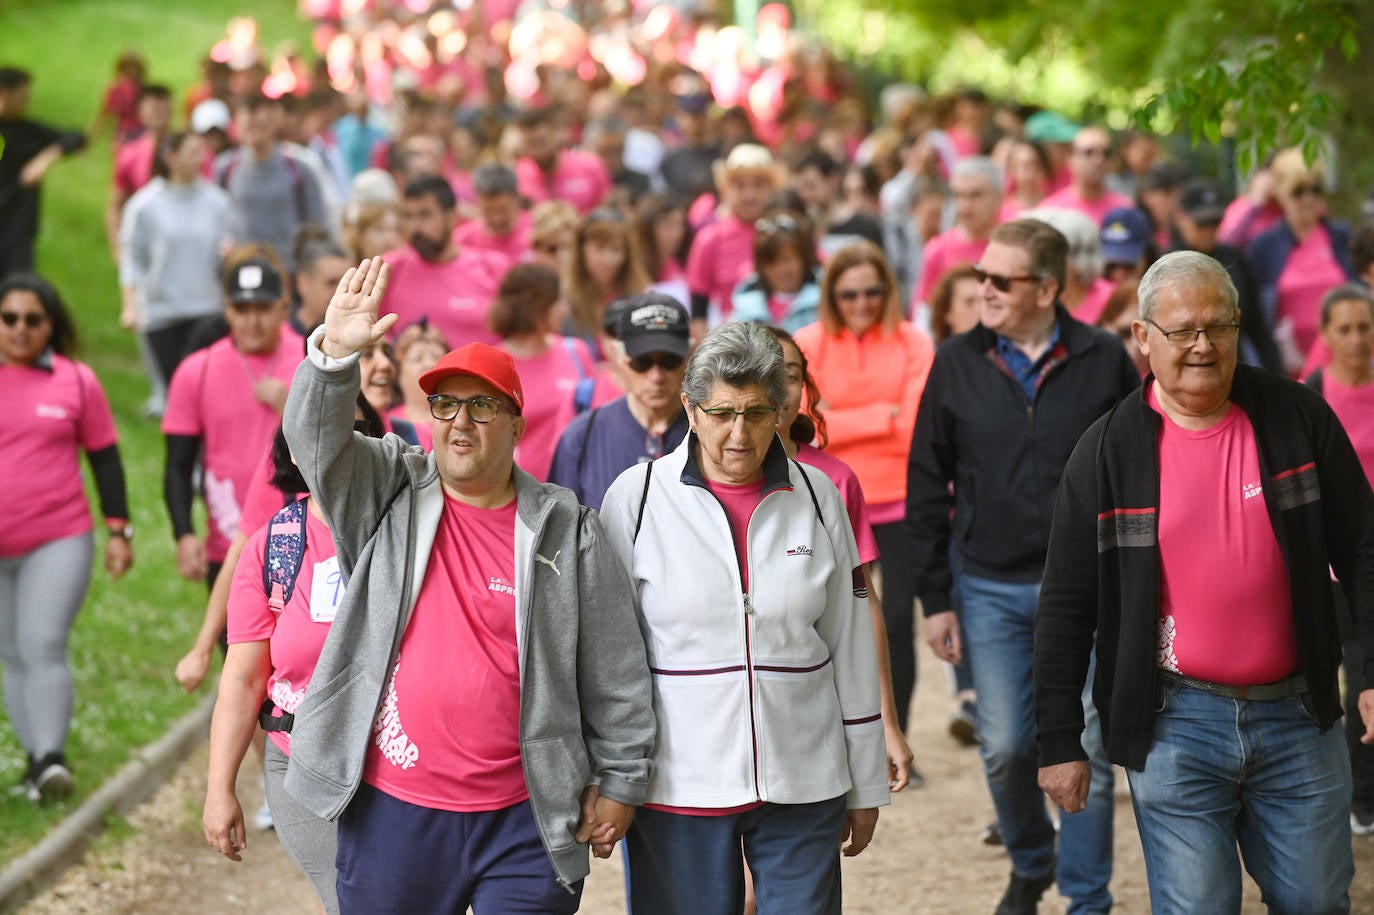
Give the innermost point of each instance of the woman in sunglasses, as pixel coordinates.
(765, 684)
(1296, 261)
(871, 367)
(784, 288)
(57, 410)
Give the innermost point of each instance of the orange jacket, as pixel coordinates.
(870, 389)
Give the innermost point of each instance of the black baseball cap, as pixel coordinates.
(254, 280)
(653, 323)
(1203, 200)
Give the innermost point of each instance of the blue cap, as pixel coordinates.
(1125, 234)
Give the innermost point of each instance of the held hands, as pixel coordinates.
(858, 830)
(1067, 783)
(604, 821)
(350, 322)
(223, 824)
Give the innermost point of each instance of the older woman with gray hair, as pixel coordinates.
(1085, 291)
(762, 653)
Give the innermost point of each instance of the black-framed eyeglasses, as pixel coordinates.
(669, 362)
(853, 295)
(481, 409)
(724, 417)
(770, 225)
(1000, 282)
(31, 319)
(1187, 337)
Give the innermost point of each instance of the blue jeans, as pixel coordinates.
(998, 625)
(691, 865)
(1227, 772)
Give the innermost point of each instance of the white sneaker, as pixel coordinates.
(53, 779)
(1361, 824)
(262, 820)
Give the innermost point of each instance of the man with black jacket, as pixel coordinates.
(1191, 544)
(1201, 205)
(1003, 407)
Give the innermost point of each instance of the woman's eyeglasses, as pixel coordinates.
(31, 319)
(481, 409)
(724, 417)
(1002, 283)
(669, 362)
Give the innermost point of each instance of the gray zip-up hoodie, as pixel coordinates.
(586, 713)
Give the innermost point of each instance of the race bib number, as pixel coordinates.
(326, 591)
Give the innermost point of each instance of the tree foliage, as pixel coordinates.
(1264, 72)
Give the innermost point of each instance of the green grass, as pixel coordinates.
(130, 633)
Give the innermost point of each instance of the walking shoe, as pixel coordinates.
(1023, 893)
(1361, 822)
(963, 724)
(992, 835)
(263, 818)
(51, 777)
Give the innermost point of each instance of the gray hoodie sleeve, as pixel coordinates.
(614, 689)
(353, 478)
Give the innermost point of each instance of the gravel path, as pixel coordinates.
(925, 859)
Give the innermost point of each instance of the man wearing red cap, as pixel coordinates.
(484, 698)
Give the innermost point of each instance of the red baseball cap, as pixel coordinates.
(479, 360)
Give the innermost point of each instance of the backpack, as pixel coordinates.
(283, 555)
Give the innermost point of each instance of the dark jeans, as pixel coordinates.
(1361, 755)
(170, 345)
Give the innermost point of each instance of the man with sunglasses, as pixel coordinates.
(648, 422)
(1193, 540)
(1002, 409)
(483, 698)
(1087, 191)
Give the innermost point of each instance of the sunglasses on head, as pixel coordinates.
(669, 362)
(31, 319)
(1002, 283)
(770, 225)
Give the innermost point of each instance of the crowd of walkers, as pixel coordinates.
(585, 404)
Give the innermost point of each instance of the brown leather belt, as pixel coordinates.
(1295, 685)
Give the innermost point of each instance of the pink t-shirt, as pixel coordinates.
(262, 500)
(298, 630)
(455, 295)
(447, 735)
(943, 252)
(53, 415)
(1354, 407)
(578, 177)
(722, 254)
(424, 431)
(1094, 300)
(513, 246)
(211, 397)
(1068, 198)
(550, 383)
(133, 164)
(1310, 271)
(1225, 610)
(851, 493)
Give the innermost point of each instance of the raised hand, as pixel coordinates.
(351, 321)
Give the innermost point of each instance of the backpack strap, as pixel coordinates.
(811, 489)
(284, 552)
(586, 384)
(582, 451)
(643, 500)
(406, 430)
